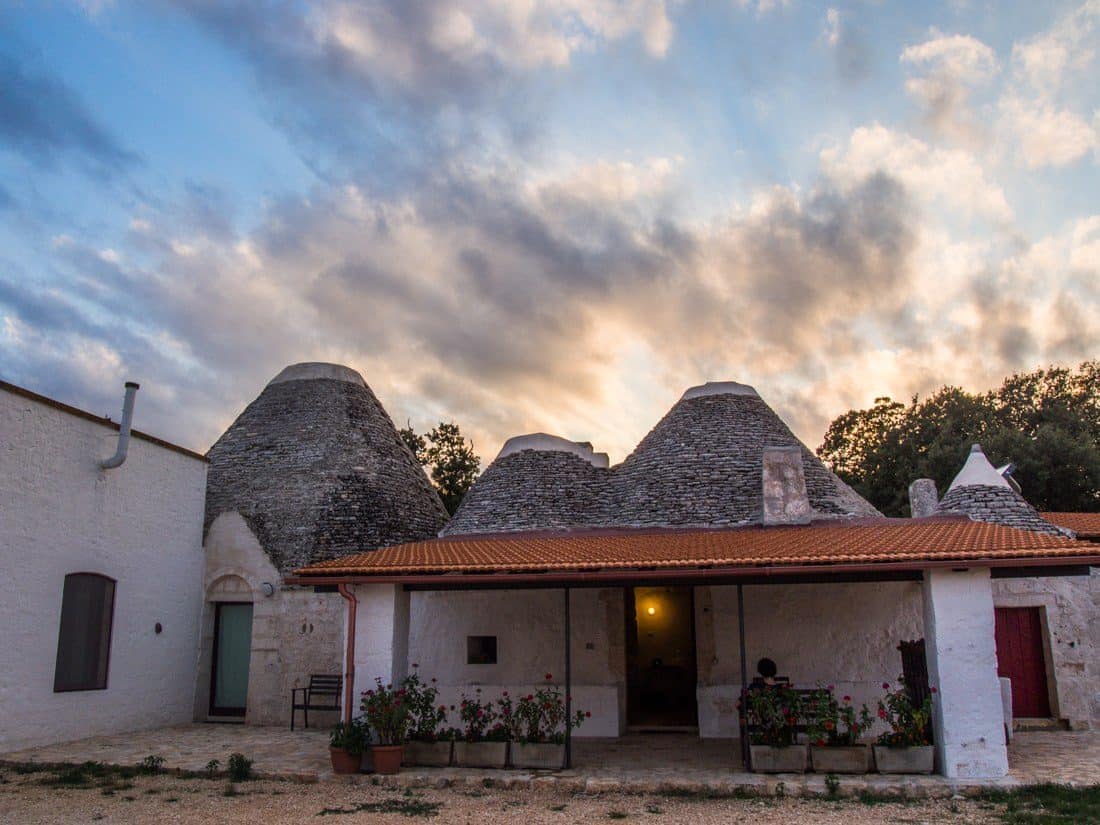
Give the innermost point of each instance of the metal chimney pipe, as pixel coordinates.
(123, 429)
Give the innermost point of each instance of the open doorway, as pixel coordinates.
(660, 657)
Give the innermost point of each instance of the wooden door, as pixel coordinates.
(1019, 632)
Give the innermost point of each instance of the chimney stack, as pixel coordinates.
(785, 498)
(923, 498)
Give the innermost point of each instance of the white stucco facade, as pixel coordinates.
(140, 525)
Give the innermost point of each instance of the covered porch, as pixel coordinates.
(835, 599)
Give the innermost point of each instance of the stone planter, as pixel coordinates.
(904, 760)
(428, 754)
(544, 756)
(344, 762)
(481, 754)
(840, 759)
(387, 758)
(770, 759)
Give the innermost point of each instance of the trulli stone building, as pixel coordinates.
(311, 470)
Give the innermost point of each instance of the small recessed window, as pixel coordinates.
(84, 642)
(481, 650)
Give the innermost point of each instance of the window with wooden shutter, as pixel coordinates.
(84, 640)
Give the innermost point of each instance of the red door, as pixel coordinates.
(1019, 632)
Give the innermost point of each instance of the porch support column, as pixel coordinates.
(968, 720)
(381, 636)
(568, 684)
(741, 720)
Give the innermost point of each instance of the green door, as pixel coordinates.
(232, 646)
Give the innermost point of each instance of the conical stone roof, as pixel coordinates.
(983, 493)
(701, 466)
(318, 470)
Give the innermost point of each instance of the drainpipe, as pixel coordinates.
(123, 429)
(349, 661)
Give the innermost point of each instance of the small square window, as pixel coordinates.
(481, 650)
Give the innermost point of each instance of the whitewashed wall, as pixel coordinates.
(140, 524)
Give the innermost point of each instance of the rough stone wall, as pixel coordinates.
(139, 524)
(1071, 612)
(998, 505)
(317, 469)
(534, 490)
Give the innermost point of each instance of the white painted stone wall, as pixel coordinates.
(844, 635)
(295, 632)
(1070, 608)
(140, 524)
(962, 663)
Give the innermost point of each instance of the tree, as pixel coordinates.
(1046, 422)
(453, 464)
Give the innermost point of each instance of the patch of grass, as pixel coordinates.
(617, 814)
(83, 775)
(653, 809)
(150, 765)
(832, 785)
(405, 806)
(239, 767)
(1047, 804)
(212, 768)
(705, 794)
(557, 807)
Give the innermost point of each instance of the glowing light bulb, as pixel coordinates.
(651, 610)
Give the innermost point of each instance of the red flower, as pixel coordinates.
(588, 714)
(885, 685)
(933, 690)
(847, 698)
(820, 743)
(415, 664)
(504, 693)
(829, 725)
(530, 696)
(549, 676)
(882, 713)
(444, 708)
(832, 687)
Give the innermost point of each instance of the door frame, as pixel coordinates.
(1050, 683)
(631, 651)
(213, 709)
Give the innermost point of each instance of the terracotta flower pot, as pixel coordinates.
(344, 762)
(387, 758)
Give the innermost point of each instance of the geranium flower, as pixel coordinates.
(588, 714)
(885, 685)
(549, 676)
(847, 698)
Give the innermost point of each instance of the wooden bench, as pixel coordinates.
(323, 693)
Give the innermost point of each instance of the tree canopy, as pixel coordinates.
(1045, 422)
(450, 458)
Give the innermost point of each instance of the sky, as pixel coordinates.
(544, 215)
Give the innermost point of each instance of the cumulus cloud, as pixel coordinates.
(1039, 114)
(945, 71)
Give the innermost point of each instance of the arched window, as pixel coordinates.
(84, 641)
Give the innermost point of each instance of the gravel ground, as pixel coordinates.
(169, 799)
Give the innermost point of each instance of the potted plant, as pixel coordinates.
(539, 724)
(387, 713)
(907, 746)
(483, 740)
(772, 713)
(427, 745)
(346, 744)
(834, 729)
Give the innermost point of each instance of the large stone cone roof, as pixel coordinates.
(701, 466)
(318, 470)
(981, 492)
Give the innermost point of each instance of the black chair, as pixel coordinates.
(323, 693)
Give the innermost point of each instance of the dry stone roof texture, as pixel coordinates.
(701, 466)
(318, 470)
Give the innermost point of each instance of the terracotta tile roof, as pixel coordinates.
(825, 543)
(1085, 525)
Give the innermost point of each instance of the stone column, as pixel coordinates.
(381, 636)
(962, 666)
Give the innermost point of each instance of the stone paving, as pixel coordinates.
(643, 763)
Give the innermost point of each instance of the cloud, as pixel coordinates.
(1037, 113)
(946, 69)
(44, 121)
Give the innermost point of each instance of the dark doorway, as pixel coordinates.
(1019, 633)
(230, 659)
(660, 657)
